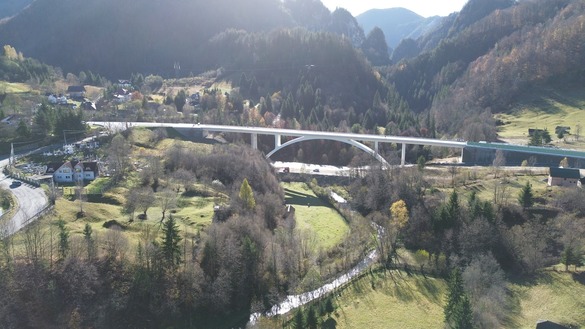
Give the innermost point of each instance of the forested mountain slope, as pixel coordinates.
(116, 38)
(481, 68)
(397, 23)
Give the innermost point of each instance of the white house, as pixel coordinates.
(73, 171)
(564, 177)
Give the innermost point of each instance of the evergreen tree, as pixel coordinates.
(312, 321)
(22, 130)
(63, 239)
(268, 103)
(453, 208)
(457, 311)
(567, 257)
(171, 250)
(526, 196)
(180, 100)
(89, 241)
(463, 317)
(299, 321)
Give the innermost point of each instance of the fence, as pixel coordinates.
(15, 175)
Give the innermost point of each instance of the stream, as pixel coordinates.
(294, 301)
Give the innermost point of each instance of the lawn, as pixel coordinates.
(392, 299)
(382, 300)
(395, 299)
(558, 297)
(545, 109)
(483, 182)
(14, 87)
(315, 215)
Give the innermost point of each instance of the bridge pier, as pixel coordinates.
(254, 141)
(403, 155)
(277, 141)
(376, 147)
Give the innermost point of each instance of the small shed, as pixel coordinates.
(564, 177)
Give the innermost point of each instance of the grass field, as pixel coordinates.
(14, 87)
(392, 299)
(558, 297)
(315, 215)
(545, 109)
(396, 299)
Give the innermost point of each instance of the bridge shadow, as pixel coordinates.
(302, 199)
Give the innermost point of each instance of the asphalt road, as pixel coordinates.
(31, 200)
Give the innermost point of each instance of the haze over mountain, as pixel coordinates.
(117, 38)
(397, 23)
(298, 46)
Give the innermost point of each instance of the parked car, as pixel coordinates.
(16, 183)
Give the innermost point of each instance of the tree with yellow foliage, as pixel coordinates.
(399, 214)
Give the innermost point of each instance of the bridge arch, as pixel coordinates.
(343, 140)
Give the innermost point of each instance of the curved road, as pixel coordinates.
(31, 200)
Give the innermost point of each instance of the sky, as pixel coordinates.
(424, 8)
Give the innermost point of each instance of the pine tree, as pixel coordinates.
(457, 311)
(63, 239)
(567, 257)
(463, 317)
(171, 248)
(526, 196)
(299, 321)
(22, 130)
(312, 321)
(89, 241)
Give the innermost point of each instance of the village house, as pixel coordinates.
(57, 99)
(122, 95)
(73, 171)
(568, 177)
(124, 84)
(76, 91)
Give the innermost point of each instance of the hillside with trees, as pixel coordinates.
(481, 67)
(144, 254)
(397, 24)
(323, 61)
(117, 38)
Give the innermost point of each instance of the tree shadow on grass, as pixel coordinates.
(429, 288)
(302, 199)
(579, 277)
(514, 317)
(330, 323)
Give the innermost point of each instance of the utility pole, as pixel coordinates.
(11, 159)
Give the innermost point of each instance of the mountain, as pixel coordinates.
(397, 23)
(118, 37)
(479, 61)
(10, 8)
